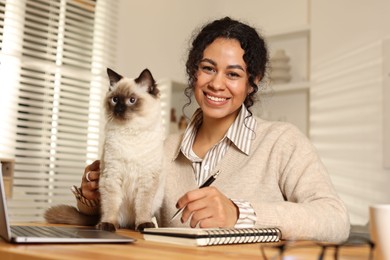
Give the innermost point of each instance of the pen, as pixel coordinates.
(207, 183)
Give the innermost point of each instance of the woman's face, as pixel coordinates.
(222, 80)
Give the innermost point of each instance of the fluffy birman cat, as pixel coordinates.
(131, 180)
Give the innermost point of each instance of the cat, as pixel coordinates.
(131, 180)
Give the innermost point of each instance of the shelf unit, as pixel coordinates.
(290, 101)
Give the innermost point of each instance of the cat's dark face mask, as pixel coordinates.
(122, 103)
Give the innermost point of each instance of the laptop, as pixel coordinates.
(52, 234)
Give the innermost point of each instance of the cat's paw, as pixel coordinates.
(142, 226)
(106, 226)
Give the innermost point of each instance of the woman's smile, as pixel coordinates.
(215, 98)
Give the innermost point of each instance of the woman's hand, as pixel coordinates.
(208, 207)
(89, 188)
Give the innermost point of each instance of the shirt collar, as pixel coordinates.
(241, 132)
(190, 134)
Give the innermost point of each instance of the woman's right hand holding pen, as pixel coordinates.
(208, 208)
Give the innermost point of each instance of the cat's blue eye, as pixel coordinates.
(114, 100)
(131, 101)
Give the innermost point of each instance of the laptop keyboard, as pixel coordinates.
(40, 231)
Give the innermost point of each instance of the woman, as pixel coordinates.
(269, 173)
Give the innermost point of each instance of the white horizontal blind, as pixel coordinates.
(346, 125)
(53, 59)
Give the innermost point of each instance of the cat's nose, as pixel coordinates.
(119, 109)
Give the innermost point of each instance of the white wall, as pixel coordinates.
(155, 34)
(347, 98)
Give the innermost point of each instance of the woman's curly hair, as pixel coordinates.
(255, 52)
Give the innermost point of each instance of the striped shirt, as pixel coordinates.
(240, 134)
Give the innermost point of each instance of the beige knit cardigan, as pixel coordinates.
(282, 177)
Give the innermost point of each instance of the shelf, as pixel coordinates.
(288, 87)
(304, 29)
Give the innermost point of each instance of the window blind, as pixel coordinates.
(53, 59)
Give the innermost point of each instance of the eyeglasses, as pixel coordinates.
(356, 247)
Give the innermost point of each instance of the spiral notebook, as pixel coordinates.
(212, 236)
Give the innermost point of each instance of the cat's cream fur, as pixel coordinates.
(131, 180)
(131, 166)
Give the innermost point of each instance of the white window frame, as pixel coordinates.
(50, 102)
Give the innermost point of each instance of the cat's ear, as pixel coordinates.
(113, 77)
(146, 79)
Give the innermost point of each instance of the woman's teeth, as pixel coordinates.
(217, 99)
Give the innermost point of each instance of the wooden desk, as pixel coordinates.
(141, 249)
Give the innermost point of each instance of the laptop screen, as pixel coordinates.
(5, 231)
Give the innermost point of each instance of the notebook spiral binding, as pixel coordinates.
(244, 235)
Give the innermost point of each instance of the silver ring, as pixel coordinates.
(87, 176)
